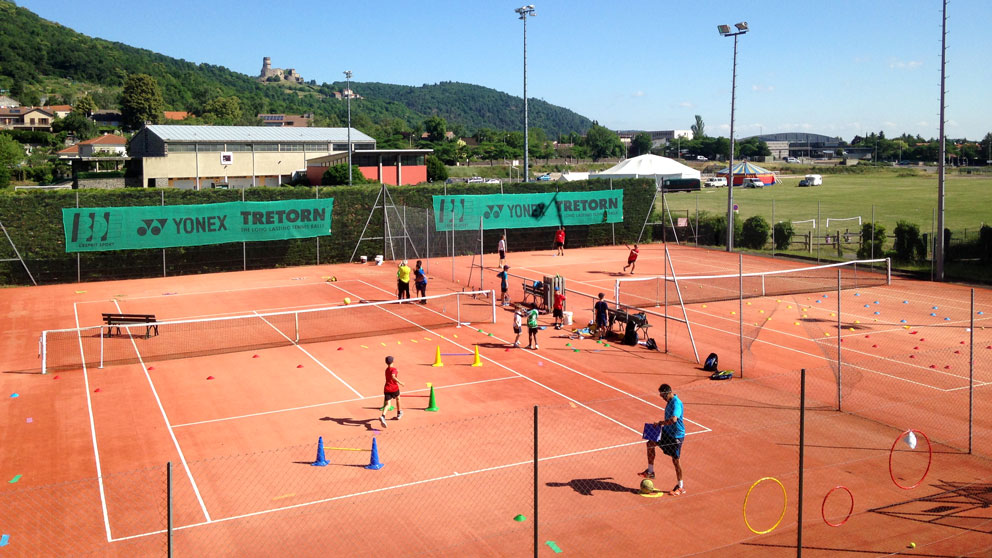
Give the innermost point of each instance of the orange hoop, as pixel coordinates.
(929, 459)
(823, 506)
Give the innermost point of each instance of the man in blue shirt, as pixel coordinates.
(503, 286)
(672, 434)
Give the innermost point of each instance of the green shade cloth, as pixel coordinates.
(518, 211)
(124, 228)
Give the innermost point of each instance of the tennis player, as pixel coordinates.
(403, 281)
(672, 434)
(502, 250)
(391, 392)
(504, 287)
(420, 281)
(560, 241)
(632, 259)
(558, 308)
(517, 318)
(532, 329)
(601, 316)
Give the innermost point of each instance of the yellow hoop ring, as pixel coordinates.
(785, 505)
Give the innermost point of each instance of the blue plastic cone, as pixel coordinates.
(375, 463)
(321, 460)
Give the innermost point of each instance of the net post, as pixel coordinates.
(492, 303)
(453, 245)
(162, 192)
(667, 256)
(101, 349)
(802, 446)
(296, 326)
(43, 350)
(616, 292)
(316, 196)
(740, 308)
(971, 372)
(427, 236)
(536, 538)
(482, 251)
(458, 309)
(168, 500)
(888, 271)
(244, 245)
(839, 329)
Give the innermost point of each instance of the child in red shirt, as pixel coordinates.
(391, 391)
(560, 241)
(558, 308)
(631, 259)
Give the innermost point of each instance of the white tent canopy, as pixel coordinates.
(648, 166)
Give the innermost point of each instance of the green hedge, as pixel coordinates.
(34, 221)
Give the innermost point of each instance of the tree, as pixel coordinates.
(602, 143)
(754, 232)
(699, 128)
(141, 101)
(85, 105)
(223, 109)
(436, 128)
(76, 123)
(11, 153)
(641, 144)
(986, 148)
(436, 171)
(337, 175)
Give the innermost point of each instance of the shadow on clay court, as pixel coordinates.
(610, 273)
(368, 423)
(586, 487)
(960, 505)
(849, 551)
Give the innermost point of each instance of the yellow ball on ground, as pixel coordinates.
(347, 300)
(912, 545)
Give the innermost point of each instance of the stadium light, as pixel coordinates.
(726, 32)
(347, 93)
(525, 11)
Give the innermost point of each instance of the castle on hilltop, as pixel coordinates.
(282, 75)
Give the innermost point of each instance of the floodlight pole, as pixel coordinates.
(938, 252)
(725, 31)
(525, 11)
(347, 93)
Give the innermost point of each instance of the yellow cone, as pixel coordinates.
(477, 361)
(437, 357)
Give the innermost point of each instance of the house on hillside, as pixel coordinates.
(26, 118)
(60, 111)
(176, 115)
(7, 102)
(287, 120)
(89, 158)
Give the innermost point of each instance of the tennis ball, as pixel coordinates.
(347, 300)
(912, 545)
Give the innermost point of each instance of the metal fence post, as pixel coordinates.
(168, 499)
(163, 249)
(740, 308)
(839, 361)
(971, 372)
(536, 538)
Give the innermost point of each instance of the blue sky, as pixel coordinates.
(838, 67)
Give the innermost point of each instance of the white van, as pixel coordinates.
(811, 180)
(715, 182)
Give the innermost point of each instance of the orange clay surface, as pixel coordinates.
(90, 464)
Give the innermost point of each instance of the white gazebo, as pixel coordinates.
(648, 166)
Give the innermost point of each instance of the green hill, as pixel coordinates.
(35, 53)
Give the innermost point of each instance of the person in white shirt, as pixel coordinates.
(517, 327)
(502, 250)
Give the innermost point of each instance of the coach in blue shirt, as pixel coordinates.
(672, 434)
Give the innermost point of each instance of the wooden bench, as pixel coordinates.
(537, 294)
(117, 320)
(624, 316)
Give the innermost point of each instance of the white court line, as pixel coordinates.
(313, 358)
(389, 488)
(89, 410)
(219, 291)
(172, 434)
(574, 371)
(209, 421)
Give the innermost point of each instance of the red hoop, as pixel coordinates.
(823, 506)
(929, 459)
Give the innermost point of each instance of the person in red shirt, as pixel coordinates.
(631, 259)
(558, 308)
(391, 391)
(560, 241)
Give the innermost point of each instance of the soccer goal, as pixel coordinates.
(842, 220)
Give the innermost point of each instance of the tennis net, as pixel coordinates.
(94, 346)
(645, 292)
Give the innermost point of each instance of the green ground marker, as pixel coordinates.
(553, 546)
(15, 479)
(520, 517)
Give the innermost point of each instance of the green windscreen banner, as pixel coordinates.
(518, 211)
(93, 229)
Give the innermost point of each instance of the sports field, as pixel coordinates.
(534, 452)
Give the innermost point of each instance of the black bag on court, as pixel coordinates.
(711, 364)
(651, 344)
(630, 334)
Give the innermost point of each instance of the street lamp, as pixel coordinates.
(726, 32)
(525, 11)
(347, 93)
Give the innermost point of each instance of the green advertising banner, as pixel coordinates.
(94, 229)
(518, 211)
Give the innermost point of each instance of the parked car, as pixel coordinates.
(544, 177)
(701, 158)
(475, 180)
(752, 183)
(811, 180)
(792, 160)
(716, 182)
(493, 181)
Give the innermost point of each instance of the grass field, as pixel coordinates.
(894, 197)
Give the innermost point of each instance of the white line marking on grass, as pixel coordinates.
(574, 371)
(313, 358)
(89, 410)
(388, 488)
(172, 434)
(336, 402)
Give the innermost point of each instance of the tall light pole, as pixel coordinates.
(525, 11)
(347, 93)
(938, 252)
(726, 32)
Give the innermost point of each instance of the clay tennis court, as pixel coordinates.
(237, 407)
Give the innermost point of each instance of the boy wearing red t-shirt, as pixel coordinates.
(558, 308)
(391, 391)
(631, 259)
(560, 241)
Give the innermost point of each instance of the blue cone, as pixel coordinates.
(321, 460)
(375, 463)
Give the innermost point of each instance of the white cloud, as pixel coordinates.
(896, 64)
(725, 127)
(766, 88)
(686, 104)
(638, 94)
(889, 124)
(861, 59)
